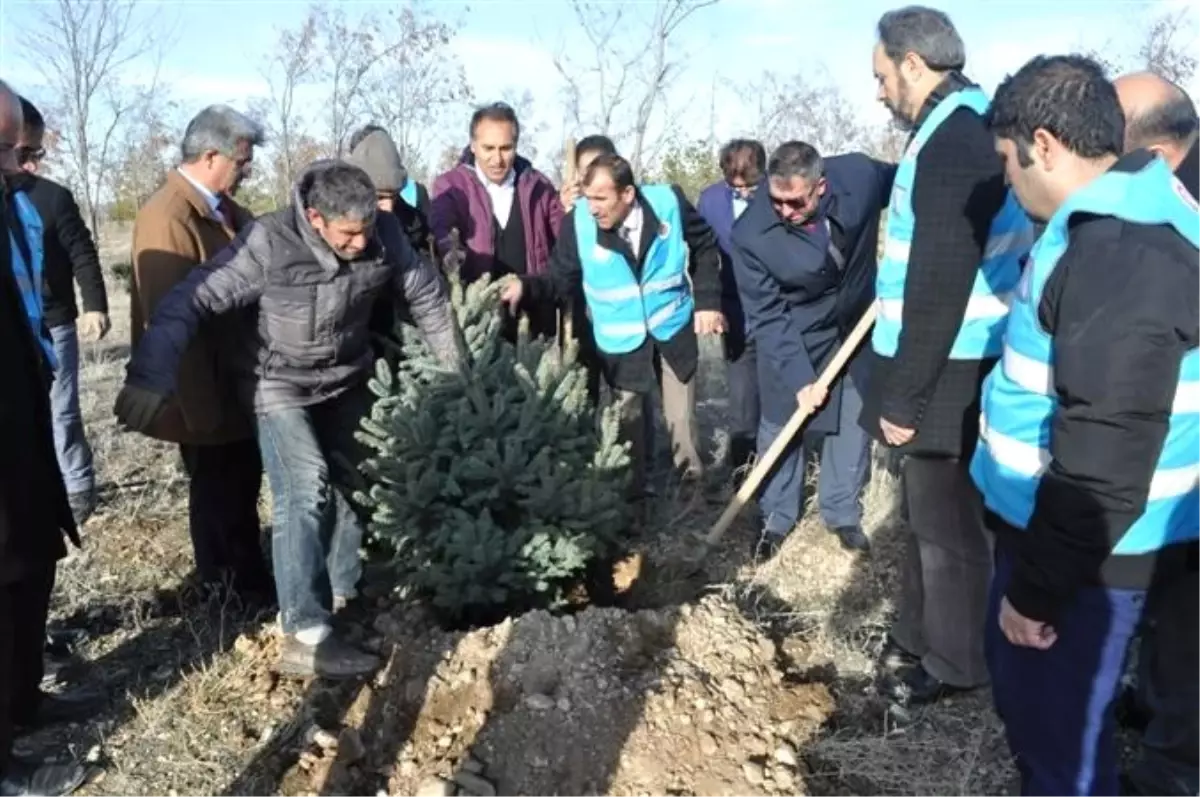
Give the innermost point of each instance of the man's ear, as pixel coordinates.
(822, 185)
(314, 218)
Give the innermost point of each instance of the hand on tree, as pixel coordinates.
(93, 326)
(709, 322)
(511, 293)
(137, 408)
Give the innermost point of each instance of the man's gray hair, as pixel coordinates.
(218, 128)
(923, 31)
(796, 159)
(342, 191)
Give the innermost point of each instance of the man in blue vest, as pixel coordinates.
(1160, 117)
(743, 164)
(804, 261)
(951, 256)
(649, 269)
(1089, 449)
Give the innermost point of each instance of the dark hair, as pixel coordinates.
(31, 117)
(618, 168)
(1174, 120)
(796, 159)
(1069, 97)
(342, 191)
(496, 112)
(363, 132)
(743, 157)
(594, 143)
(926, 32)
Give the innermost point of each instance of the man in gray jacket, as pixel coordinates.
(314, 270)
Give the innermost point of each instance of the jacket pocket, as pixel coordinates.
(290, 315)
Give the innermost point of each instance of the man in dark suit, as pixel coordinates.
(34, 513)
(69, 256)
(650, 271)
(743, 163)
(804, 261)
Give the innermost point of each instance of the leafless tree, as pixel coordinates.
(632, 63)
(83, 48)
(1169, 46)
(809, 107)
(292, 65)
(417, 80)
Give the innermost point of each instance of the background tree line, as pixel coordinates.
(114, 130)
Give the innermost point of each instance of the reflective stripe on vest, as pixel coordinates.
(982, 331)
(1019, 399)
(623, 310)
(409, 193)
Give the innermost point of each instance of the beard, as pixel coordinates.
(902, 111)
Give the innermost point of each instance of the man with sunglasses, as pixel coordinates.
(743, 162)
(804, 260)
(69, 256)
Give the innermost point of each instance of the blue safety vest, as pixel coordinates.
(29, 275)
(981, 334)
(1019, 399)
(409, 192)
(623, 310)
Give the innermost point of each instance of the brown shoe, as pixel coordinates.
(331, 658)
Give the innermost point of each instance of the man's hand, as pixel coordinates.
(511, 293)
(93, 326)
(1024, 632)
(709, 322)
(137, 408)
(455, 257)
(568, 195)
(812, 396)
(895, 435)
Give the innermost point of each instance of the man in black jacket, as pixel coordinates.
(1161, 118)
(69, 251)
(942, 285)
(638, 260)
(34, 513)
(1089, 451)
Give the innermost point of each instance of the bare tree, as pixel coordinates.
(811, 110)
(417, 81)
(632, 65)
(1167, 49)
(82, 48)
(290, 67)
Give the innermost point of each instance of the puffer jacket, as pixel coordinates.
(312, 342)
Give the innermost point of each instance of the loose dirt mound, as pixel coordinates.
(676, 701)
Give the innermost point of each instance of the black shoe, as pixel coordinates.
(916, 687)
(852, 538)
(331, 658)
(26, 776)
(767, 546)
(1128, 712)
(57, 708)
(894, 658)
(82, 506)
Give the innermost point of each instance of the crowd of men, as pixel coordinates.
(1033, 363)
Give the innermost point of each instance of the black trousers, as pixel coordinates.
(744, 407)
(223, 513)
(24, 606)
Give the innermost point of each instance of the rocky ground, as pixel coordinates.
(744, 678)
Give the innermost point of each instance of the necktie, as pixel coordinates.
(225, 209)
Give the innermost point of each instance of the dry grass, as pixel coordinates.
(195, 710)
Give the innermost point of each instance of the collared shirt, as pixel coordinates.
(631, 228)
(739, 206)
(214, 201)
(500, 194)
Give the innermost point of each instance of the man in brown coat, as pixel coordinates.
(185, 223)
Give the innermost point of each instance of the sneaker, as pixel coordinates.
(82, 506)
(331, 658)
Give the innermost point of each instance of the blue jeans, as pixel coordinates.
(316, 534)
(70, 442)
(1056, 704)
(845, 469)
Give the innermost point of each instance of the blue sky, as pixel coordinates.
(510, 44)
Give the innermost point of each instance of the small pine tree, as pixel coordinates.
(497, 484)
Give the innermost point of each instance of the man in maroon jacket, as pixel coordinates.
(507, 213)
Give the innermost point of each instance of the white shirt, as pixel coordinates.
(739, 206)
(501, 195)
(631, 228)
(214, 201)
